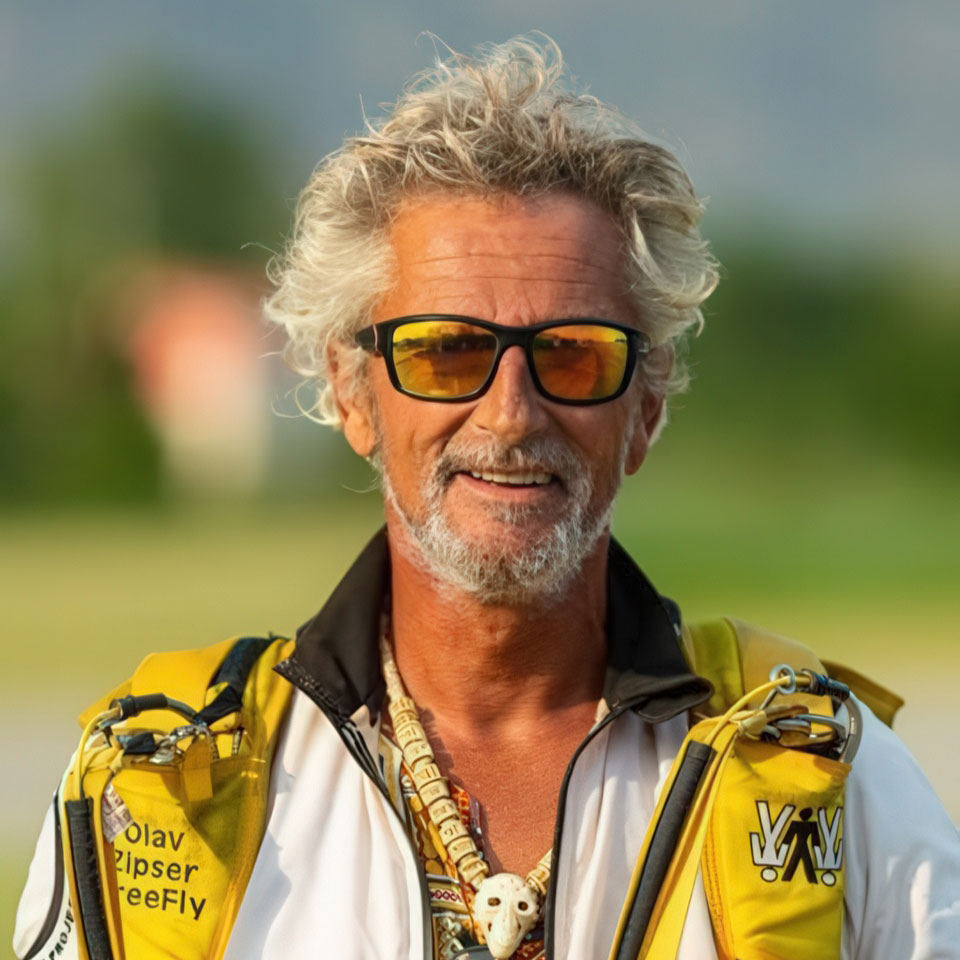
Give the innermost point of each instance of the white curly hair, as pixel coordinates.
(504, 121)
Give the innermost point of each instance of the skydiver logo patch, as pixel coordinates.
(805, 842)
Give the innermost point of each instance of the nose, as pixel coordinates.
(511, 408)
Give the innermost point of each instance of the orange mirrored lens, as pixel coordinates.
(442, 358)
(581, 362)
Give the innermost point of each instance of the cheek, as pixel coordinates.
(392, 411)
(412, 435)
(598, 434)
(378, 383)
(417, 430)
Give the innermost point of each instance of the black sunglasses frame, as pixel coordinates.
(378, 340)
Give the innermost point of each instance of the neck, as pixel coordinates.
(487, 669)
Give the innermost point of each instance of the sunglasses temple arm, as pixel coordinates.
(367, 339)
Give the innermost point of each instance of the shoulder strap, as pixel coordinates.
(737, 657)
(233, 673)
(210, 679)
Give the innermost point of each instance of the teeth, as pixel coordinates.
(515, 479)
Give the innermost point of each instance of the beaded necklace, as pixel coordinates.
(506, 906)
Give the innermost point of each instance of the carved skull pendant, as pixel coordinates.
(506, 909)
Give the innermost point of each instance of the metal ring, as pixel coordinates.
(781, 670)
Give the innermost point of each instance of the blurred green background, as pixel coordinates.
(156, 490)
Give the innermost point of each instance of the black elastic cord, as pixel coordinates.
(87, 873)
(133, 706)
(695, 761)
(822, 685)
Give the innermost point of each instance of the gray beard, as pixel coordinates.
(508, 574)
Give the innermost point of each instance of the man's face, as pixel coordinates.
(504, 495)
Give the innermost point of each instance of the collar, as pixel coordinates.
(336, 659)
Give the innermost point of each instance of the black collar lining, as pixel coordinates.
(337, 659)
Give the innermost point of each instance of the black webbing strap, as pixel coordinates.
(141, 744)
(234, 671)
(87, 875)
(695, 761)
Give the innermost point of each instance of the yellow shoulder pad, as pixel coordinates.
(186, 675)
(737, 657)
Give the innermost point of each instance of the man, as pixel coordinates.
(488, 291)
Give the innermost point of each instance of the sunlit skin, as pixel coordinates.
(506, 692)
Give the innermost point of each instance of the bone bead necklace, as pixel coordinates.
(506, 905)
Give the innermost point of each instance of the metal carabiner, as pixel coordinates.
(840, 729)
(167, 750)
(846, 724)
(854, 729)
(847, 731)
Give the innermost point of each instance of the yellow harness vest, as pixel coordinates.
(762, 819)
(162, 822)
(163, 809)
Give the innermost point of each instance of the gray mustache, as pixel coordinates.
(534, 457)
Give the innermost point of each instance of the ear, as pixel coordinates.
(652, 402)
(644, 429)
(354, 401)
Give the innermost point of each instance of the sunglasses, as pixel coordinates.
(448, 358)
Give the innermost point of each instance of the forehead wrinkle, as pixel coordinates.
(525, 313)
(553, 281)
(526, 299)
(559, 263)
(504, 255)
(564, 295)
(518, 259)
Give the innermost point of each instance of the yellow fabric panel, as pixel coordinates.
(175, 878)
(267, 695)
(771, 892)
(736, 657)
(711, 649)
(765, 831)
(176, 875)
(760, 650)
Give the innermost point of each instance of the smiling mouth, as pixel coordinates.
(531, 478)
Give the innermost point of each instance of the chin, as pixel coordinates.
(505, 537)
(508, 563)
(503, 552)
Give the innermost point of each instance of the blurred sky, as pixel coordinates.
(833, 121)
